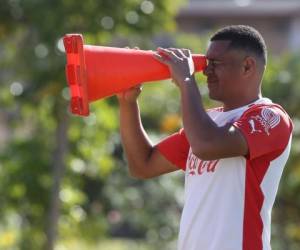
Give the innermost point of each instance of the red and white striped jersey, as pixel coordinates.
(228, 201)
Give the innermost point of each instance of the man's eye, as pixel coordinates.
(211, 62)
(214, 63)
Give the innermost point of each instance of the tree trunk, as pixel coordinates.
(61, 149)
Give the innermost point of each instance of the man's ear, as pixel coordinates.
(249, 65)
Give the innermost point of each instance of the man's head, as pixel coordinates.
(237, 58)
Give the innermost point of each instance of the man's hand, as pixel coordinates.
(180, 63)
(130, 95)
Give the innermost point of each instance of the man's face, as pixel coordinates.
(223, 71)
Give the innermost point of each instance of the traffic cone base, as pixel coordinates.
(76, 74)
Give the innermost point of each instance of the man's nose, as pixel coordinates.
(207, 69)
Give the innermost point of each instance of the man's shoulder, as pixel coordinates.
(269, 114)
(265, 108)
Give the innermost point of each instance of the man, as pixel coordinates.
(233, 156)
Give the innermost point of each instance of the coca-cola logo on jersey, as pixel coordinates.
(197, 166)
(267, 120)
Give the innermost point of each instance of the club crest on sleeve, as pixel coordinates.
(267, 120)
(253, 128)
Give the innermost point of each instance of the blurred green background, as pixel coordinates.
(64, 182)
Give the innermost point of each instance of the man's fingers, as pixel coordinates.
(127, 47)
(169, 54)
(138, 87)
(186, 52)
(162, 58)
(178, 52)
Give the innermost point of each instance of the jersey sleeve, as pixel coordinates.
(267, 129)
(175, 148)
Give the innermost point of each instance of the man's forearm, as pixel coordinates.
(136, 143)
(198, 126)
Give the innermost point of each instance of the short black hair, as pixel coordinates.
(243, 37)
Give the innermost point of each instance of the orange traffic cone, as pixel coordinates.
(95, 72)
